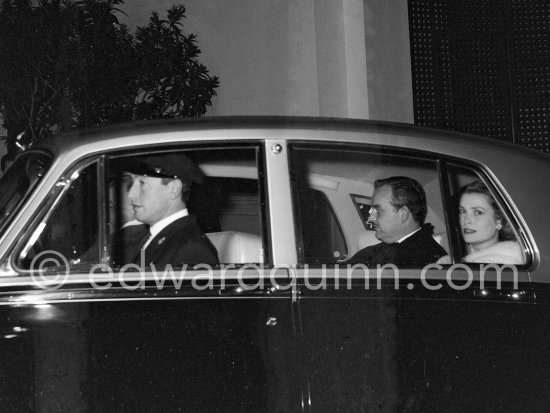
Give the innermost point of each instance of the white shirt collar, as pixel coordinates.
(163, 223)
(132, 223)
(400, 240)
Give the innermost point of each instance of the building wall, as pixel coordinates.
(388, 60)
(334, 58)
(341, 58)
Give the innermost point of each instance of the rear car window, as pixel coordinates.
(346, 177)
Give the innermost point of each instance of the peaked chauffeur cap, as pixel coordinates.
(172, 165)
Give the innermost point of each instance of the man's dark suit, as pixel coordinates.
(181, 242)
(123, 244)
(418, 250)
(126, 241)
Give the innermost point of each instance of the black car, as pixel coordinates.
(282, 323)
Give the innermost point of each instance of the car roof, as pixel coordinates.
(430, 136)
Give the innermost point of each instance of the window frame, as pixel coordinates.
(380, 150)
(441, 162)
(48, 205)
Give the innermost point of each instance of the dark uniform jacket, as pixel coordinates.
(126, 242)
(123, 245)
(181, 242)
(418, 250)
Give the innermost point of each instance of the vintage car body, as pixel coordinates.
(284, 326)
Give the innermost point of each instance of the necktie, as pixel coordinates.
(146, 235)
(140, 244)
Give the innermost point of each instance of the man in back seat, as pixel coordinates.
(397, 214)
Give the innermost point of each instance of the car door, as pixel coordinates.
(80, 332)
(442, 337)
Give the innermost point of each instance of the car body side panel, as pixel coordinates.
(389, 349)
(149, 351)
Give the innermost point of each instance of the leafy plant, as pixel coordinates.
(70, 63)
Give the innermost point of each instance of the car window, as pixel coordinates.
(70, 228)
(224, 201)
(482, 225)
(363, 205)
(346, 176)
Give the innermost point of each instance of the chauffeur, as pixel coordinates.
(160, 189)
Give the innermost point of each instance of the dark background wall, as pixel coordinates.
(483, 67)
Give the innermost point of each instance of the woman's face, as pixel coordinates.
(478, 221)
